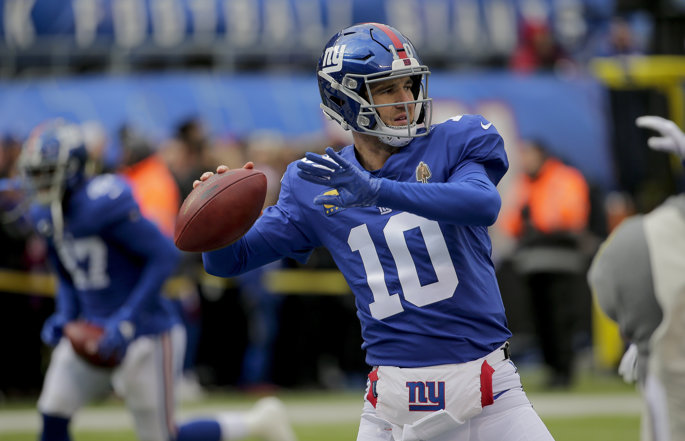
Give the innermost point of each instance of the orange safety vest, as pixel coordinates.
(155, 191)
(558, 200)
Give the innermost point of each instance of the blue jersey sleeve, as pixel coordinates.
(469, 197)
(249, 252)
(157, 254)
(477, 140)
(280, 232)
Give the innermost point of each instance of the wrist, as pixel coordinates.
(385, 190)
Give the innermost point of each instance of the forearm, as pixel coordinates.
(149, 286)
(473, 200)
(249, 252)
(66, 301)
(159, 259)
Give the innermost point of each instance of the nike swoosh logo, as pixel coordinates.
(485, 126)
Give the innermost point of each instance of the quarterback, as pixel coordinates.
(404, 212)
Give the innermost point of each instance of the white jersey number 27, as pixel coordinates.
(386, 304)
(86, 261)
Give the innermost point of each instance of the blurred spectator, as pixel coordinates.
(151, 180)
(155, 190)
(95, 138)
(618, 206)
(21, 251)
(626, 36)
(188, 154)
(548, 214)
(262, 307)
(538, 50)
(10, 147)
(153, 184)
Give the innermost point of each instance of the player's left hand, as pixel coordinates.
(114, 343)
(356, 187)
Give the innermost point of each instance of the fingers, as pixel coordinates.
(336, 157)
(321, 180)
(318, 159)
(314, 169)
(662, 125)
(205, 176)
(249, 165)
(220, 169)
(651, 122)
(662, 144)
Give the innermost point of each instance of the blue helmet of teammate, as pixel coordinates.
(53, 159)
(364, 54)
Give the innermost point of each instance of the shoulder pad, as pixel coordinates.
(108, 197)
(462, 123)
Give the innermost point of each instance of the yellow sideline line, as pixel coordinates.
(287, 281)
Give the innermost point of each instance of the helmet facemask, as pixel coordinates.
(357, 87)
(52, 166)
(397, 136)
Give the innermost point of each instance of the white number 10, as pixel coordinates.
(386, 304)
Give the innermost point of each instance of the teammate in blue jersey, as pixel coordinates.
(404, 212)
(111, 263)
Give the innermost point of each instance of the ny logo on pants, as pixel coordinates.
(432, 393)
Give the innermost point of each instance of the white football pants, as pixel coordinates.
(511, 417)
(144, 380)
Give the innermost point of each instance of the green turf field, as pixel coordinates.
(610, 428)
(333, 416)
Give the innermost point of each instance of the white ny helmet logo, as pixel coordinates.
(333, 59)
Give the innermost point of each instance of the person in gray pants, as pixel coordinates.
(638, 278)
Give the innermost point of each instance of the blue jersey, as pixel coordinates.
(419, 264)
(110, 262)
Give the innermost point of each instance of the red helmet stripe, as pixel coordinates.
(399, 47)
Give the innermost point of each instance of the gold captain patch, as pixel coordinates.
(423, 172)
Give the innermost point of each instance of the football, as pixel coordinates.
(84, 337)
(220, 210)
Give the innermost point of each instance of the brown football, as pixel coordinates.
(84, 337)
(220, 210)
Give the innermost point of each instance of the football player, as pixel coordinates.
(404, 212)
(110, 263)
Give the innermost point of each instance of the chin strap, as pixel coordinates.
(394, 141)
(57, 221)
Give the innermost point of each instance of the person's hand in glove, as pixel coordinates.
(53, 329)
(628, 366)
(672, 139)
(356, 187)
(118, 334)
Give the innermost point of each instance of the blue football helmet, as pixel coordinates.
(53, 160)
(364, 54)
